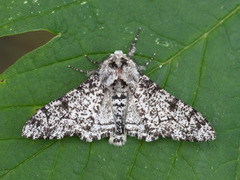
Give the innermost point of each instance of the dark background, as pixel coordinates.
(13, 47)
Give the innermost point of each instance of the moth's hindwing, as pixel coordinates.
(84, 111)
(153, 112)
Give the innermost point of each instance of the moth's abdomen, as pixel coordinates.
(119, 103)
(119, 98)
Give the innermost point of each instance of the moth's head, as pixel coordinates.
(118, 67)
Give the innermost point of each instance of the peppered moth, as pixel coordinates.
(115, 101)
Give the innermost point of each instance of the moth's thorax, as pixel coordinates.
(118, 67)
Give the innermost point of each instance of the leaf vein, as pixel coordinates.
(200, 73)
(159, 34)
(87, 161)
(194, 172)
(55, 163)
(8, 139)
(134, 160)
(21, 106)
(61, 61)
(204, 35)
(42, 14)
(194, 99)
(29, 158)
(174, 160)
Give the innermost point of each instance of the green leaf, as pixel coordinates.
(198, 49)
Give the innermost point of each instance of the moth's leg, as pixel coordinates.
(132, 48)
(92, 61)
(143, 67)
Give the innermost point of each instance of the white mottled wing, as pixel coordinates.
(153, 112)
(84, 112)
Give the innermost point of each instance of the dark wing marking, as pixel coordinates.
(161, 114)
(84, 111)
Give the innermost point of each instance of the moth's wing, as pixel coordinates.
(82, 111)
(158, 113)
(133, 124)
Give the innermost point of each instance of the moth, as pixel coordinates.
(115, 101)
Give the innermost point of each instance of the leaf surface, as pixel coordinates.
(198, 61)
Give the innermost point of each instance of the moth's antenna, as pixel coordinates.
(92, 61)
(147, 63)
(132, 48)
(143, 67)
(83, 71)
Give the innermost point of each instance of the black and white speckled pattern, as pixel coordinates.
(118, 101)
(161, 114)
(84, 111)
